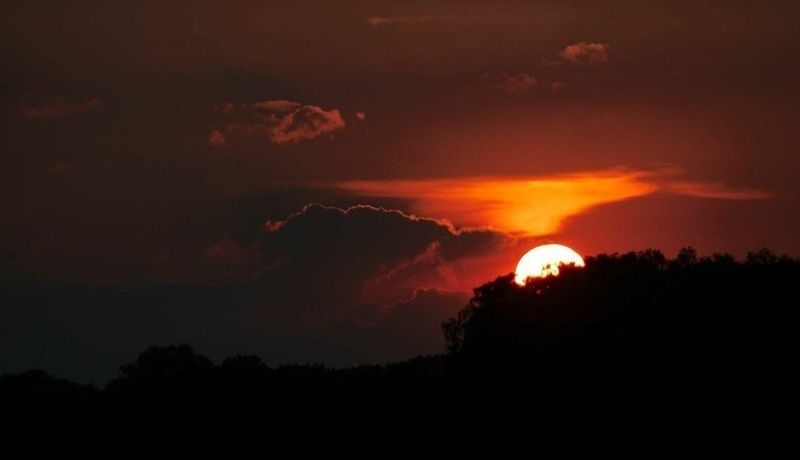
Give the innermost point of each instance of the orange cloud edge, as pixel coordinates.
(536, 205)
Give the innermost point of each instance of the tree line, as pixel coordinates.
(633, 355)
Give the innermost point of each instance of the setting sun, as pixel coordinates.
(544, 260)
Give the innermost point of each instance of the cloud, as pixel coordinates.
(392, 234)
(519, 83)
(282, 121)
(388, 254)
(376, 245)
(415, 323)
(327, 285)
(37, 106)
(358, 277)
(216, 138)
(534, 206)
(716, 191)
(585, 53)
(381, 21)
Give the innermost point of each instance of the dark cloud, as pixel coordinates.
(474, 243)
(338, 285)
(339, 275)
(415, 323)
(282, 121)
(376, 245)
(388, 255)
(373, 243)
(389, 232)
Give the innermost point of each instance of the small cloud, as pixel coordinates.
(37, 106)
(281, 120)
(585, 53)
(305, 122)
(361, 116)
(216, 138)
(519, 83)
(272, 226)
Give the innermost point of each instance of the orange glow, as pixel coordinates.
(544, 260)
(530, 206)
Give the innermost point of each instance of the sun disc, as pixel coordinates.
(544, 261)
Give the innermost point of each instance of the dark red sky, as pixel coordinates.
(160, 147)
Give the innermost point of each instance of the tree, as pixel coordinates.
(164, 370)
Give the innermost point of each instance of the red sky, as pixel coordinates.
(152, 143)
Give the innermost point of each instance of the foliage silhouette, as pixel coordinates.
(635, 355)
(685, 356)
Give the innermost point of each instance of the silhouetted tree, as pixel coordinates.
(635, 355)
(686, 355)
(173, 371)
(36, 387)
(686, 256)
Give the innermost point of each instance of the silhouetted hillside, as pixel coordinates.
(634, 355)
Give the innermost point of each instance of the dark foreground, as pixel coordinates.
(633, 356)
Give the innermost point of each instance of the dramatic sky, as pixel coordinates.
(326, 181)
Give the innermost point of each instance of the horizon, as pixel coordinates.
(433, 348)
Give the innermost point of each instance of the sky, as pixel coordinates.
(327, 181)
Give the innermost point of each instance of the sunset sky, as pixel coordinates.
(326, 181)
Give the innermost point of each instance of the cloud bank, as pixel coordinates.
(281, 121)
